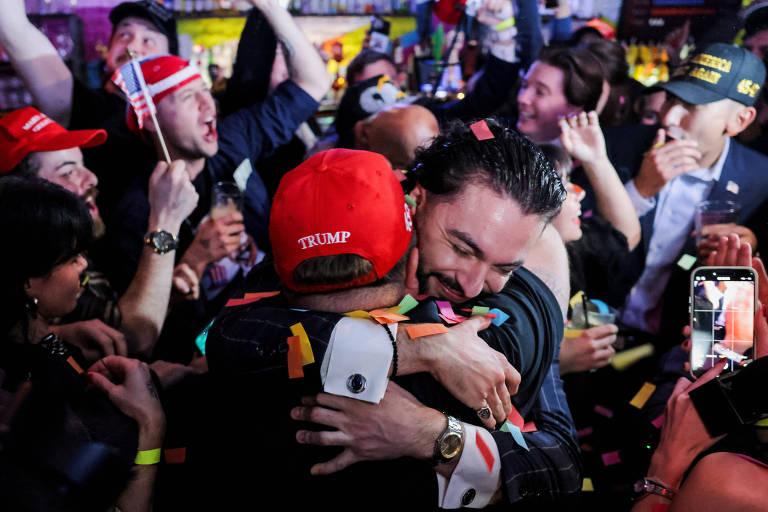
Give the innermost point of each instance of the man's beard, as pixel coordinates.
(98, 227)
(446, 281)
(98, 223)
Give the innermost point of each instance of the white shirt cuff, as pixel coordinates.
(471, 484)
(357, 361)
(642, 204)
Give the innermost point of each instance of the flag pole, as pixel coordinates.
(149, 101)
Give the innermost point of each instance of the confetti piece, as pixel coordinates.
(451, 322)
(358, 313)
(202, 338)
(407, 304)
(516, 433)
(611, 458)
(409, 200)
(587, 486)
(626, 358)
(732, 187)
(295, 370)
(71, 361)
(384, 316)
(484, 451)
(260, 295)
(421, 330)
(504, 25)
(515, 418)
(480, 310)
(501, 317)
(686, 261)
(762, 423)
(175, 455)
(585, 432)
(603, 411)
(585, 447)
(446, 311)
(658, 422)
(307, 357)
(571, 333)
(248, 298)
(481, 130)
(529, 427)
(643, 395)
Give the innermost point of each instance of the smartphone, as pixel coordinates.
(722, 316)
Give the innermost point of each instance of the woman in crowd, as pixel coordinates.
(40, 280)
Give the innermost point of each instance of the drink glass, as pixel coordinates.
(225, 199)
(715, 212)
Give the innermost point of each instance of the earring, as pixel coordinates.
(31, 306)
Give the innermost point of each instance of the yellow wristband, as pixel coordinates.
(147, 457)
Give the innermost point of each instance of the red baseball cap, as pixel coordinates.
(339, 201)
(28, 130)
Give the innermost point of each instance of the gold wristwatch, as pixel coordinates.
(449, 443)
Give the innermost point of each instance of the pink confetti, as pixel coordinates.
(658, 422)
(611, 458)
(447, 313)
(481, 130)
(585, 432)
(603, 411)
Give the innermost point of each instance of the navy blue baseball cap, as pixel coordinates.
(152, 11)
(718, 72)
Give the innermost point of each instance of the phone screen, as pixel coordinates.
(723, 300)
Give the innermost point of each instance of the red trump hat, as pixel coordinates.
(340, 201)
(27, 130)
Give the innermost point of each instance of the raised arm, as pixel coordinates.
(144, 304)
(37, 62)
(306, 67)
(582, 138)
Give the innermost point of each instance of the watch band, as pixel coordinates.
(650, 486)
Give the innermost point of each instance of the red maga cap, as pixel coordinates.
(28, 130)
(340, 201)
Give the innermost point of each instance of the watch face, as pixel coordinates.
(450, 445)
(163, 241)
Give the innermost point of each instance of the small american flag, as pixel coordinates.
(130, 80)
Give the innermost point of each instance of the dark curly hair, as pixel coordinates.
(508, 163)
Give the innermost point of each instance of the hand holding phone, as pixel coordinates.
(722, 316)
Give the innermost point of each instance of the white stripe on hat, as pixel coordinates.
(173, 80)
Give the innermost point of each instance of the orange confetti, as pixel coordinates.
(71, 361)
(421, 330)
(384, 316)
(260, 295)
(249, 298)
(295, 369)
